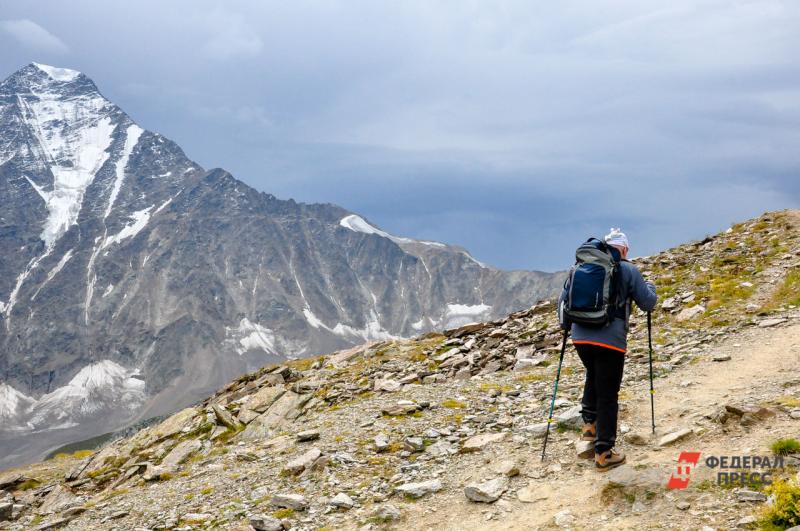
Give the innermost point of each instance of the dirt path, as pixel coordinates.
(764, 364)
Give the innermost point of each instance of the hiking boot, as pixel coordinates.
(589, 432)
(608, 459)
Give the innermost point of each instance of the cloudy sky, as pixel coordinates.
(513, 128)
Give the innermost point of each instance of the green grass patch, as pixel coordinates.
(29, 485)
(283, 513)
(787, 293)
(530, 377)
(785, 446)
(450, 403)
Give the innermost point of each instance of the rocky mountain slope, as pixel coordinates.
(444, 431)
(134, 282)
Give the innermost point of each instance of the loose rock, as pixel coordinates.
(487, 491)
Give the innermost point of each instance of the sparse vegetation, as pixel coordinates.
(29, 485)
(453, 404)
(784, 512)
(785, 446)
(787, 293)
(283, 513)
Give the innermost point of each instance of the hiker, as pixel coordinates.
(602, 346)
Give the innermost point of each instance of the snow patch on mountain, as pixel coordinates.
(132, 135)
(461, 314)
(372, 331)
(359, 224)
(58, 74)
(140, 218)
(422, 323)
(251, 336)
(13, 405)
(74, 135)
(53, 272)
(313, 320)
(104, 385)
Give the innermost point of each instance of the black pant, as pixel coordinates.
(600, 401)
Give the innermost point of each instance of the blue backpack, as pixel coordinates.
(592, 287)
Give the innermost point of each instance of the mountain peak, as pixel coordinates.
(56, 73)
(39, 78)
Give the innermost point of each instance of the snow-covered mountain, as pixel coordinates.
(134, 281)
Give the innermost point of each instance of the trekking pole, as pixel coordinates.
(652, 392)
(555, 390)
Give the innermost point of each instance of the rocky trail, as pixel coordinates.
(567, 492)
(444, 431)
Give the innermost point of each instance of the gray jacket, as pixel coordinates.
(615, 334)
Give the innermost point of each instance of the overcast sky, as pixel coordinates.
(515, 129)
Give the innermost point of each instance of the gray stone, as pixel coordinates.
(745, 495)
(537, 430)
(506, 467)
(670, 438)
(288, 407)
(487, 491)
(414, 444)
(307, 435)
(289, 501)
(246, 416)
(12, 479)
(441, 448)
(343, 501)
(419, 489)
(57, 500)
(683, 505)
(53, 524)
(6, 511)
(690, 313)
(766, 323)
(180, 453)
(386, 513)
(381, 442)
(584, 449)
(196, 518)
(263, 522)
(747, 522)
(410, 378)
(564, 518)
(399, 409)
(303, 462)
(389, 386)
(225, 418)
(479, 442)
(669, 304)
(262, 399)
(571, 418)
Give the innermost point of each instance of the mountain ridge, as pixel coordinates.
(118, 249)
(445, 430)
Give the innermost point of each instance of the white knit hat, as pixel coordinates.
(617, 237)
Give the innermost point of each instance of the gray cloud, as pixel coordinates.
(513, 128)
(33, 36)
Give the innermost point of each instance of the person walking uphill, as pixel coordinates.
(595, 305)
